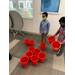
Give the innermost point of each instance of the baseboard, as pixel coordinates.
(34, 33)
(37, 34)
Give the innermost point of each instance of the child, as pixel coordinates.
(61, 37)
(44, 27)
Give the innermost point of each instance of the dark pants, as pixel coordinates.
(61, 49)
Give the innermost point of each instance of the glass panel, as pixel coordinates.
(12, 5)
(29, 7)
(26, 8)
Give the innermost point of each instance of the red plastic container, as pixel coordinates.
(29, 54)
(43, 45)
(55, 45)
(31, 49)
(51, 39)
(34, 59)
(26, 42)
(31, 42)
(42, 57)
(24, 60)
(36, 51)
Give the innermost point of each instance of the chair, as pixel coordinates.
(10, 24)
(17, 22)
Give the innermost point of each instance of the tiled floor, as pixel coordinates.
(13, 43)
(58, 63)
(51, 66)
(13, 63)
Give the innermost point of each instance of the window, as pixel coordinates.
(12, 5)
(24, 7)
(50, 5)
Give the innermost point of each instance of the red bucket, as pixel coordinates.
(36, 51)
(34, 59)
(26, 42)
(43, 45)
(31, 49)
(31, 42)
(42, 57)
(29, 54)
(51, 39)
(55, 45)
(24, 60)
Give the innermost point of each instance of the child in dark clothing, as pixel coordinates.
(61, 37)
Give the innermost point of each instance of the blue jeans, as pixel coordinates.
(61, 49)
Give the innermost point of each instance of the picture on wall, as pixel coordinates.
(50, 6)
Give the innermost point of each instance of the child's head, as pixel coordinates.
(62, 21)
(44, 15)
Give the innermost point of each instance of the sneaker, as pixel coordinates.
(39, 43)
(58, 55)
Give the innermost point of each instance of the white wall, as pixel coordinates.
(32, 25)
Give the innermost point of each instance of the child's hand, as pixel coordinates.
(60, 43)
(40, 32)
(53, 35)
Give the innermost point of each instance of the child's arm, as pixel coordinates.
(63, 40)
(57, 32)
(48, 27)
(40, 27)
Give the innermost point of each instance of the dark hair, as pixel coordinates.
(45, 13)
(62, 19)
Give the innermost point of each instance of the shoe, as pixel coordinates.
(58, 55)
(55, 55)
(39, 43)
(10, 57)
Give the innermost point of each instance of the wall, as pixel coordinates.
(32, 25)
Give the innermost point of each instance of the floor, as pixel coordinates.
(51, 66)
